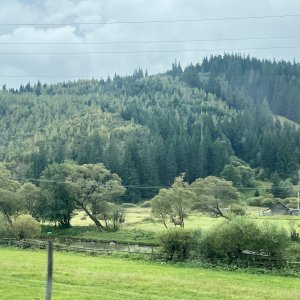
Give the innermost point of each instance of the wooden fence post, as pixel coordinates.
(49, 269)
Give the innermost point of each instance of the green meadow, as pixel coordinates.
(140, 227)
(81, 277)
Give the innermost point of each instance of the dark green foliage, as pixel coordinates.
(268, 202)
(239, 236)
(281, 189)
(56, 204)
(5, 227)
(177, 244)
(237, 210)
(149, 129)
(255, 201)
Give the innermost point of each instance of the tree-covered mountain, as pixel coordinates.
(149, 129)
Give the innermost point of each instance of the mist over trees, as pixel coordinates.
(215, 118)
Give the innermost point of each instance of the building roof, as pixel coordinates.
(279, 202)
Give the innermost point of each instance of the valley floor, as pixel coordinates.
(84, 277)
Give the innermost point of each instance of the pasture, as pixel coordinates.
(140, 227)
(104, 277)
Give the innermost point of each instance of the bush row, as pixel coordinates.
(229, 241)
(268, 201)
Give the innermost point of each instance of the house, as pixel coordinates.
(295, 212)
(281, 209)
(277, 209)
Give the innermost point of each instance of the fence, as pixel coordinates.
(96, 248)
(80, 247)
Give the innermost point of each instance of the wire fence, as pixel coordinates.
(81, 246)
(246, 259)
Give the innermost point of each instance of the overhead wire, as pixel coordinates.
(155, 21)
(148, 51)
(152, 41)
(142, 51)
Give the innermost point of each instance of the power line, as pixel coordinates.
(147, 51)
(126, 186)
(98, 77)
(157, 21)
(151, 42)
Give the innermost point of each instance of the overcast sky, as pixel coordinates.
(37, 66)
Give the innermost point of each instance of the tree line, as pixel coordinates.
(200, 121)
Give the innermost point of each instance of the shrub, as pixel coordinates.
(268, 202)
(292, 202)
(228, 241)
(128, 205)
(273, 239)
(4, 227)
(293, 251)
(177, 244)
(237, 210)
(255, 201)
(233, 238)
(148, 220)
(25, 226)
(146, 204)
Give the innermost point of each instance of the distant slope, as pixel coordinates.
(149, 129)
(286, 120)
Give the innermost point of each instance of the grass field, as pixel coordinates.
(141, 228)
(85, 277)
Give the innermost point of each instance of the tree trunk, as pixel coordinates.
(164, 221)
(95, 220)
(8, 218)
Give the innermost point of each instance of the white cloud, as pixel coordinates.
(102, 65)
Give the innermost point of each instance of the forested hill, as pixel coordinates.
(234, 78)
(148, 129)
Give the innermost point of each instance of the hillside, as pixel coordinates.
(148, 129)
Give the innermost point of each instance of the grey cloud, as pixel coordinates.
(102, 65)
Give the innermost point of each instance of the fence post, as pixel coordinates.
(49, 269)
(128, 248)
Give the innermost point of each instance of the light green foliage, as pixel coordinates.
(291, 202)
(25, 226)
(111, 213)
(160, 207)
(273, 239)
(239, 174)
(237, 210)
(146, 204)
(92, 186)
(30, 194)
(174, 202)
(213, 194)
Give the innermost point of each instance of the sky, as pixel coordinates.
(15, 15)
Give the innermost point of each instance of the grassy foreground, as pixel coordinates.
(82, 277)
